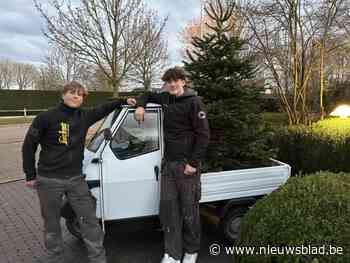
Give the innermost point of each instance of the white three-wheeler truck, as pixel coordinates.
(122, 165)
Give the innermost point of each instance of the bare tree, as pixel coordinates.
(97, 81)
(192, 29)
(328, 13)
(41, 80)
(339, 66)
(294, 39)
(60, 66)
(6, 74)
(105, 33)
(24, 75)
(201, 26)
(147, 67)
(49, 76)
(1, 76)
(67, 65)
(283, 37)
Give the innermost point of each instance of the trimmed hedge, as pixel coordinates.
(323, 146)
(312, 210)
(38, 99)
(34, 99)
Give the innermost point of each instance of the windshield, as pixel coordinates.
(98, 138)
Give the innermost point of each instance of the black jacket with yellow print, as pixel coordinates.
(61, 134)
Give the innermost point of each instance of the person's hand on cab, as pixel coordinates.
(140, 114)
(131, 102)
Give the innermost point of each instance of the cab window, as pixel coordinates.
(135, 138)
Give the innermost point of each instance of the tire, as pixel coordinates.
(73, 227)
(230, 224)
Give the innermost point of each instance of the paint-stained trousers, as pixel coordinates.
(50, 192)
(179, 209)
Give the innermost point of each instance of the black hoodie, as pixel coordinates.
(61, 134)
(186, 129)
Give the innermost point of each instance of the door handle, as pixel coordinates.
(96, 160)
(156, 172)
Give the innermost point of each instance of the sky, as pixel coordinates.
(21, 27)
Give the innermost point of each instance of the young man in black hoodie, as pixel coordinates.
(186, 136)
(61, 134)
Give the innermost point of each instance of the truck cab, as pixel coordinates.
(124, 157)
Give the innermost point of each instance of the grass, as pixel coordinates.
(15, 120)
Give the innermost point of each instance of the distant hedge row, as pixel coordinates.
(44, 99)
(34, 99)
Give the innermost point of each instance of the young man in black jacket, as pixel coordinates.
(186, 137)
(61, 134)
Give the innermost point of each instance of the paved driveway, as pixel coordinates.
(11, 138)
(138, 241)
(21, 225)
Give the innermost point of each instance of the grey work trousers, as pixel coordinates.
(50, 192)
(179, 209)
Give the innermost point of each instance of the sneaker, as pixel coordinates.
(169, 259)
(190, 258)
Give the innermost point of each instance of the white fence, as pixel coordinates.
(24, 112)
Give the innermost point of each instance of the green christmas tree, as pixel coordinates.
(220, 74)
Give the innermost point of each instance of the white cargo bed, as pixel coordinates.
(243, 183)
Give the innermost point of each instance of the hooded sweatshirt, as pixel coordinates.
(61, 133)
(186, 129)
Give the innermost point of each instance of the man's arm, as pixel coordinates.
(30, 146)
(148, 97)
(103, 110)
(201, 128)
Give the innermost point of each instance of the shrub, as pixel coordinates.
(275, 120)
(323, 146)
(270, 103)
(336, 128)
(312, 210)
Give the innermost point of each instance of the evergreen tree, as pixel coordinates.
(221, 75)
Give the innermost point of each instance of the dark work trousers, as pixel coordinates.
(50, 192)
(179, 209)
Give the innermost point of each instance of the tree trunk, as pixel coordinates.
(321, 81)
(115, 87)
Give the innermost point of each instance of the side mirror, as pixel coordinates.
(107, 134)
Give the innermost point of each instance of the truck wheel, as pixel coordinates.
(230, 224)
(73, 227)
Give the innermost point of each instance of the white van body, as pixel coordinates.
(123, 171)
